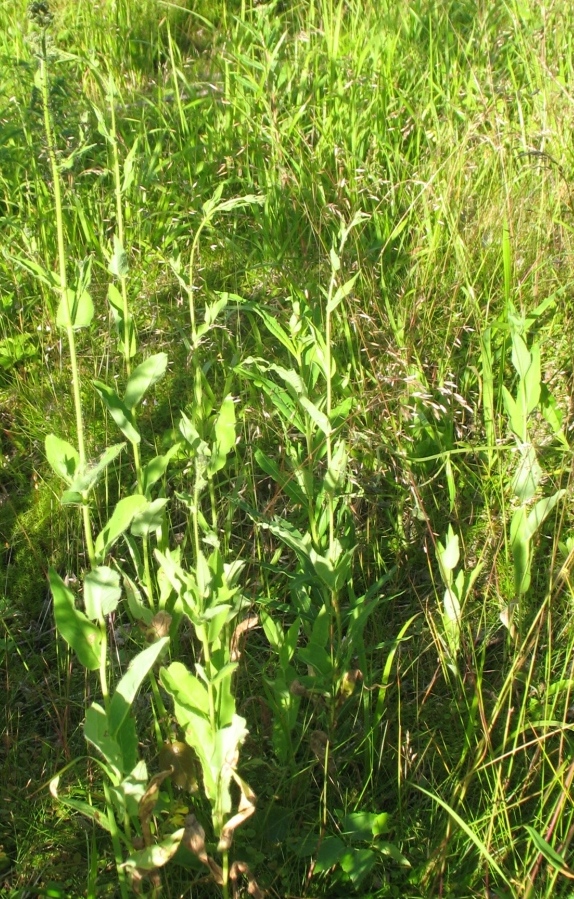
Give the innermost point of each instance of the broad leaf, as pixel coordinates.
(62, 456)
(77, 630)
(185, 687)
(155, 856)
(149, 519)
(76, 310)
(143, 377)
(521, 358)
(102, 592)
(97, 732)
(156, 467)
(126, 690)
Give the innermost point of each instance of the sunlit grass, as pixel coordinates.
(446, 125)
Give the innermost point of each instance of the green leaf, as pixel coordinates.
(533, 380)
(102, 592)
(335, 261)
(224, 672)
(317, 658)
(84, 481)
(155, 856)
(337, 470)
(541, 511)
(97, 732)
(357, 863)
(276, 330)
(545, 849)
(185, 687)
(76, 629)
(291, 378)
(78, 805)
(118, 523)
(516, 413)
(393, 852)
(528, 474)
(224, 436)
(359, 826)
(330, 852)
(149, 519)
(157, 467)
(225, 746)
(448, 555)
(119, 265)
(289, 535)
(127, 340)
(138, 609)
(128, 742)
(553, 414)
(341, 293)
(143, 377)
(333, 568)
(521, 552)
(75, 310)
(129, 167)
(451, 621)
(119, 411)
(521, 358)
(62, 456)
(216, 618)
(315, 414)
(284, 479)
(127, 689)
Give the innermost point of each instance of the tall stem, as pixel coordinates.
(63, 289)
(129, 331)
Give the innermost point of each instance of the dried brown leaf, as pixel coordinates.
(242, 628)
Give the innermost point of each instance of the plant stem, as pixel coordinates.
(129, 330)
(63, 288)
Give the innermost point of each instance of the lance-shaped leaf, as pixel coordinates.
(120, 520)
(127, 341)
(528, 474)
(143, 377)
(130, 683)
(87, 479)
(84, 808)
(341, 293)
(224, 436)
(119, 411)
(119, 264)
(76, 628)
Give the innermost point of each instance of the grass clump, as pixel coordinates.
(285, 501)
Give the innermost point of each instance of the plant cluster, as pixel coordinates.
(279, 280)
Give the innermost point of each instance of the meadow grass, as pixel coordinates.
(337, 348)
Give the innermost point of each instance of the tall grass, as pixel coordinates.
(327, 246)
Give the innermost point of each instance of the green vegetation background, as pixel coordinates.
(448, 123)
